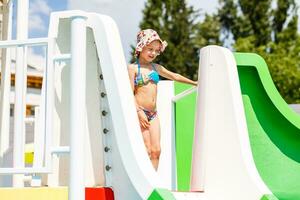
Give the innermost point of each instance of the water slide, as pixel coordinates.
(115, 153)
(270, 124)
(274, 128)
(226, 164)
(222, 164)
(124, 165)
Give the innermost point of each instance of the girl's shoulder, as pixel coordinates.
(132, 66)
(157, 66)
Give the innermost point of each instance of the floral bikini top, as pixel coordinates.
(153, 76)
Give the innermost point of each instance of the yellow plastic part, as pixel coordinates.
(29, 152)
(41, 193)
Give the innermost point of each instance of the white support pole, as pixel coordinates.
(5, 87)
(39, 139)
(46, 112)
(20, 90)
(198, 156)
(77, 108)
(5, 81)
(22, 19)
(19, 117)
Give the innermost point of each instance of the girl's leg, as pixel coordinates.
(155, 141)
(147, 141)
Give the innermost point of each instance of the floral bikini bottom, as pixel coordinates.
(150, 114)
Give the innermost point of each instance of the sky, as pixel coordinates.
(126, 13)
(39, 13)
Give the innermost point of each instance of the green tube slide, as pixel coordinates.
(274, 129)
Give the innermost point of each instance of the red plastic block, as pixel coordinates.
(99, 194)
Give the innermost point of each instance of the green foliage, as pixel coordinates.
(175, 22)
(271, 31)
(283, 62)
(208, 31)
(244, 18)
(285, 68)
(280, 15)
(267, 27)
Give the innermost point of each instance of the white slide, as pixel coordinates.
(111, 120)
(115, 152)
(226, 169)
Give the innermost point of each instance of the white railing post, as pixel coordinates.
(19, 115)
(77, 108)
(46, 113)
(5, 82)
(20, 90)
(39, 138)
(38, 147)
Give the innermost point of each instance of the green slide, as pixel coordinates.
(274, 129)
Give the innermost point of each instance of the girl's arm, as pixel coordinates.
(174, 76)
(131, 73)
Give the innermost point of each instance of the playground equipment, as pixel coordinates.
(273, 128)
(88, 111)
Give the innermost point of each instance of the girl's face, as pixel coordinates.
(150, 51)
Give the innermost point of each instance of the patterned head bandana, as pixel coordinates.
(145, 37)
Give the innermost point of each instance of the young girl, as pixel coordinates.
(144, 76)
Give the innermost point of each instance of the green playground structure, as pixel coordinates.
(273, 127)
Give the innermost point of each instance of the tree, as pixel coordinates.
(208, 31)
(176, 23)
(271, 31)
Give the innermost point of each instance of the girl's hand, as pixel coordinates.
(143, 119)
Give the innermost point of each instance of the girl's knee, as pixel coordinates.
(149, 152)
(155, 153)
(148, 149)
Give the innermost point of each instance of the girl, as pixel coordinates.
(144, 76)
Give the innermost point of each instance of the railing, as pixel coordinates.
(19, 104)
(43, 113)
(183, 94)
(45, 124)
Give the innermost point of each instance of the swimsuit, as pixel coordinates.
(153, 76)
(149, 114)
